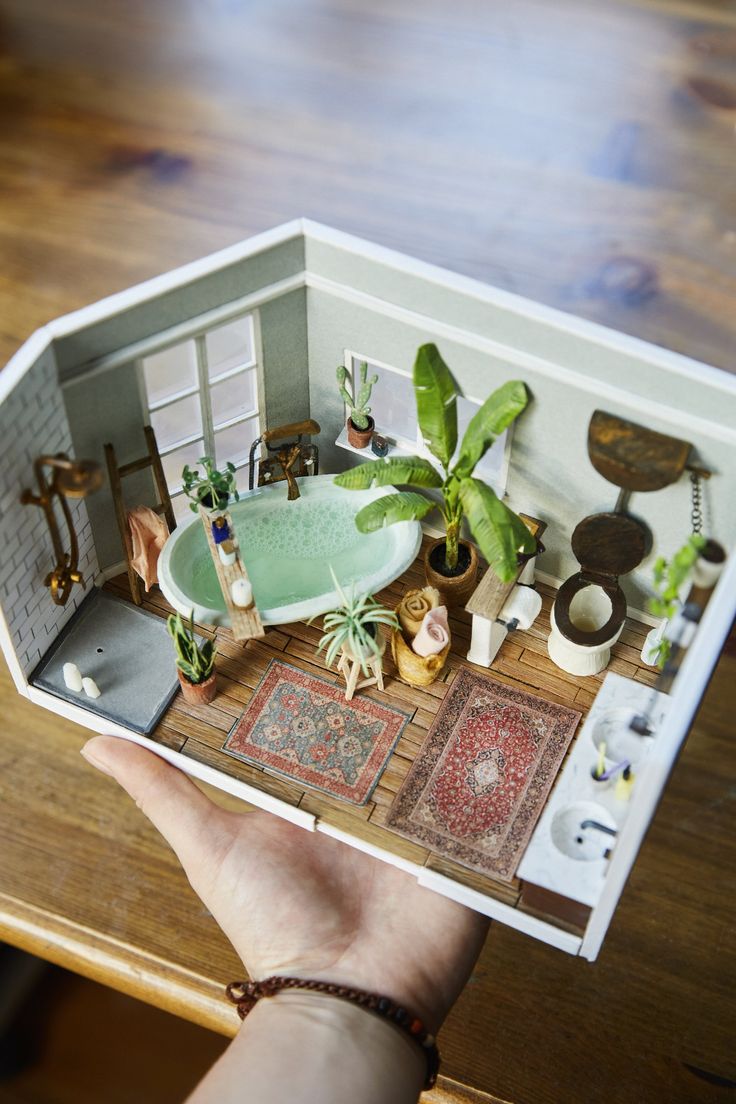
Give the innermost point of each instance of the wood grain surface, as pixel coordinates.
(578, 153)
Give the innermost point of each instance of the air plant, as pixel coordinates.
(354, 626)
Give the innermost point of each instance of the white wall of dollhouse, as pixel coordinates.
(300, 296)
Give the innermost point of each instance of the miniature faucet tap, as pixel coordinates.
(287, 457)
(600, 827)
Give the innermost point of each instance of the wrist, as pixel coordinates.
(419, 1002)
(331, 1041)
(247, 994)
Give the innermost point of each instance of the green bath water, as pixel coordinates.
(287, 549)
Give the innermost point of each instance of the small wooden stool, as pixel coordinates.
(350, 668)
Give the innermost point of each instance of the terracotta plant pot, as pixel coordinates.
(455, 590)
(415, 669)
(360, 438)
(198, 693)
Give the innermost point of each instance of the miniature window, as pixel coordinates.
(202, 400)
(393, 409)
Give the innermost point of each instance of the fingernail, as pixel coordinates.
(89, 754)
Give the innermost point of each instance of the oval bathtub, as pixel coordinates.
(288, 548)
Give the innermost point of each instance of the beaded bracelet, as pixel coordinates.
(245, 994)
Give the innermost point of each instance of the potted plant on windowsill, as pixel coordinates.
(503, 538)
(213, 489)
(360, 425)
(195, 663)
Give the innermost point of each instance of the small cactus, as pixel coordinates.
(359, 410)
(195, 661)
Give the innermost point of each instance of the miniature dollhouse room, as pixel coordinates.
(283, 620)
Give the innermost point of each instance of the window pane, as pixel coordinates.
(176, 422)
(169, 372)
(229, 346)
(234, 397)
(392, 403)
(175, 461)
(180, 506)
(233, 444)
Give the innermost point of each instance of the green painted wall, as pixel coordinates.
(189, 301)
(285, 359)
(101, 408)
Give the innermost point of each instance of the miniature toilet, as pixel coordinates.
(589, 611)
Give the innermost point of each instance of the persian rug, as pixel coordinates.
(480, 780)
(300, 726)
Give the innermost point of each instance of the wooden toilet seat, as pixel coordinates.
(565, 595)
(605, 545)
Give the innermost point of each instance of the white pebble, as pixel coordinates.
(91, 688)
(72, 677)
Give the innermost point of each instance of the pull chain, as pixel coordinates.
(696, 513)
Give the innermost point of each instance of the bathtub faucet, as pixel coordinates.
(287, 457)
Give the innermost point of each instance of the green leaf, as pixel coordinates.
(414, 470)
(495, 415)
(500, 533)
(403, 506)
(435, 393)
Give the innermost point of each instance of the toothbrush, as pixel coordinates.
(624, 766)
(601, 764)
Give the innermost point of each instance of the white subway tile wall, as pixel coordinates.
(32, 422)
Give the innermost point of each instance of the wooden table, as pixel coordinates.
(577, 153)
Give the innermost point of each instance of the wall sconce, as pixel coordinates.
(70, 479)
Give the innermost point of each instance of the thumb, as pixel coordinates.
(192, 824)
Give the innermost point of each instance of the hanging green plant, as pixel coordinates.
(669, 578)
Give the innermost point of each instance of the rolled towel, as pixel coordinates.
(434, 633)
(414, 606)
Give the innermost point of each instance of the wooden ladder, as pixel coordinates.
(117, 474)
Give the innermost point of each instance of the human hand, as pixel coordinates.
(300, 903)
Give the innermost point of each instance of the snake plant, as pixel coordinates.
(501, 535)
(195, 661)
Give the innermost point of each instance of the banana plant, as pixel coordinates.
(500, 533)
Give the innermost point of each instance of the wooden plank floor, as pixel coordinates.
(200, 731)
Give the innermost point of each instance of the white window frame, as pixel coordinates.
(202, 389)
(405, 445)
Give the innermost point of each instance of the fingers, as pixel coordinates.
(188, 820)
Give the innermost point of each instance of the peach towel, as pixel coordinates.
(148, 533)
(434, 633)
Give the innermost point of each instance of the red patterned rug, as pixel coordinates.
(480, 780)
(301, 727)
